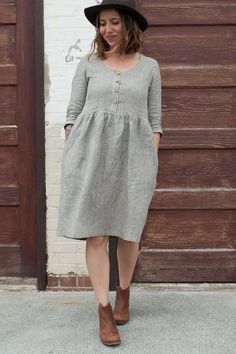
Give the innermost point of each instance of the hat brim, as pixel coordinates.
(92, 12)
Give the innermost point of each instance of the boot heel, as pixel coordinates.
(121, 310)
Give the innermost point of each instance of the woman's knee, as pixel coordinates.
(97, 241)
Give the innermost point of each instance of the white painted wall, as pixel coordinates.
(68, 36)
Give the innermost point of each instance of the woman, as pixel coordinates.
(113, 129)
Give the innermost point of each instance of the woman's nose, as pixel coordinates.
(108, 29)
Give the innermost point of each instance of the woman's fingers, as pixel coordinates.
(68, 130)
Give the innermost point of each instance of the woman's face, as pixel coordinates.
(110, 26)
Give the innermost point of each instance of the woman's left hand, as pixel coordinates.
(156, 140)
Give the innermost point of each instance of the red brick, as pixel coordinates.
(84, 282)
(68, 281)
(53, 280)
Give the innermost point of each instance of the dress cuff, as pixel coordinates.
(158, 130)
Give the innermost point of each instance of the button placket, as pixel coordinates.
(117, 88)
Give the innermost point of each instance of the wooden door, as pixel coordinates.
(190, 234)
(17, 139)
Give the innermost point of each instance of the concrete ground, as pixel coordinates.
(165, 319)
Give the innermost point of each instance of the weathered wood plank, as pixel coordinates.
(8, 74)
(8, 135)
(197, 75)
(7, 12)
(29, 135)
(186, 265)
(8, 166)
(9, 195)
(192, 229)
(199, 107)
(9, 221)
(195, 198)
(7, 44)
(192, 45)
(10, 261)
(187, 275)
(7, 105)
(182, 12)
(209, 168)
(199, 138)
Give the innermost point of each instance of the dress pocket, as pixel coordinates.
(153, 147)
(155, 155)
(74, 131)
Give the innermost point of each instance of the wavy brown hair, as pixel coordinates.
(132, 38)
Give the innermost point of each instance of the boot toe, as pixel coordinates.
(109, 334)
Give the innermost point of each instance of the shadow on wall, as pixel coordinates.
(47, 81)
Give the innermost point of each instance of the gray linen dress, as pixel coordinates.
(110, 163)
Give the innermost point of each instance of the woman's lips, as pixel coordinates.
(110, 37)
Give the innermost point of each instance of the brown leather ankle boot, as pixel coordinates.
(109, 334)
(121, 310)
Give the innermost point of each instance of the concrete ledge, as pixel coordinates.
(30, 284)
(18, 280)
(184, 286)
(18, 284)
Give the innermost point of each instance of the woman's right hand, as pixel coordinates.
(68, 130)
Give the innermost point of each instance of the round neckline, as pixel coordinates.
(119, 71)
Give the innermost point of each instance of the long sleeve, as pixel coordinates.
(78, 93)
(154, 101)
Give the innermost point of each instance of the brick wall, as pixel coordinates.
(68, 36)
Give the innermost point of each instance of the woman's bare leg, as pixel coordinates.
(127, 255)
(99, 267)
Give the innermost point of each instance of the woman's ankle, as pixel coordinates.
(125, 287)
(103, 302)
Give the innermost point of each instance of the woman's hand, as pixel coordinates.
(68, 130)
(156, 140)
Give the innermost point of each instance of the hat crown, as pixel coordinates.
(129, 3)
(128, 6)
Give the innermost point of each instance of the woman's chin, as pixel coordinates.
(112, 44)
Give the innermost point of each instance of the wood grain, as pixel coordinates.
(195, 76)
(26, 116)
(192, 45)
(10, 261)
(199, 138)
(188, 107)
(9, 221)
(8, 74)
(7, 105)
(7, 44)
(186, 265)
(9, 195)
(8, 135)
(18, 198)
(182, 12)
(201, 198)
(8, 166)
(190, 229)
(197, 168)
(184, 275)
(7, 11)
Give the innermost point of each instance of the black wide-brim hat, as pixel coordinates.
(128, 6)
